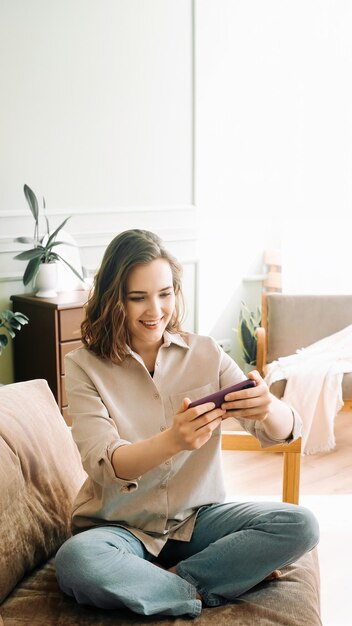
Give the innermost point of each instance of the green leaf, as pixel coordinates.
(61, 243)
(15, 325)
(53, 256)
(34, 253)
(32, 201)
(31, 270)
(49, 255)
(71, 268)
(12, 321)
(244, 341)
(21, 318)
(6, 315)
(248, 323)
(53, 235)
(45, 217)
(25, 240)
(3, 342)
(249, 342)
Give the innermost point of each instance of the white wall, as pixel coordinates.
(241, 178)
(96, 101)
(274, 147)
(97, 116)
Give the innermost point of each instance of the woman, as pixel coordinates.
(152, 530)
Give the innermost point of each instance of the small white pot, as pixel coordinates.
(46, 280)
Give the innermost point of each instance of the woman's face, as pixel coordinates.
(150, 303)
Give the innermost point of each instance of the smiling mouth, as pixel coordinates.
(152, 324)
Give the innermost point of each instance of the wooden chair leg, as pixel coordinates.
(291, 476)
(241, 440)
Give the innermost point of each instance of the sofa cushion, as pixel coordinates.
(292, 600)
(40, 473)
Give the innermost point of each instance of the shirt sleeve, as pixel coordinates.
(230, 373)
(256, 428)
(93, 430)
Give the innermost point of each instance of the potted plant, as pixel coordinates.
(11, 322)
(42, 256)
(246, 329)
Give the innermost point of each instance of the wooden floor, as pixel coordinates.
(255, 473)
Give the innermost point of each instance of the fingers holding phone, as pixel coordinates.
(251, 403)
(193, 427)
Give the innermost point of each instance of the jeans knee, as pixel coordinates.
(67, 562)
(308, 529)
(311, 530)
(75, 563)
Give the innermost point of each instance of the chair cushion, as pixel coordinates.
(297, 321)
(40, 473)
(293, 600)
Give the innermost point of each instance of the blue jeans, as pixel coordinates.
(234, 546)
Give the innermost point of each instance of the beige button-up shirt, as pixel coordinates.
(115, 405)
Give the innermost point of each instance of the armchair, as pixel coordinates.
(290, 322)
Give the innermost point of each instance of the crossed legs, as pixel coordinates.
(234, 546)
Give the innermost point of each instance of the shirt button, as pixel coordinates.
(163, 486)
(167, 462)
(162, 516)
(162, 428)
(156, 396)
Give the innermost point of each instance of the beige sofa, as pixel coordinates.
(40, 473)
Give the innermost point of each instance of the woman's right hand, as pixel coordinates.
(192, 428)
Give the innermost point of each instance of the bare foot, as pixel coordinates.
(173, 571)
(275, 574)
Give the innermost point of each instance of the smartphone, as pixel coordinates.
(218, 396)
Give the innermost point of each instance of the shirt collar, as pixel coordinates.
(169, 338)
(175, 338)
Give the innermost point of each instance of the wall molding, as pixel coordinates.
(100, 239)
(10, 277)
(99, 211)
(17, 276)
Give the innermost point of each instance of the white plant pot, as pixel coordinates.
(46, 280)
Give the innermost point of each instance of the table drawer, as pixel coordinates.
(65, 348)
(70, 321)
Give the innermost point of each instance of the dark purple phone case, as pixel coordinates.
(218, 396)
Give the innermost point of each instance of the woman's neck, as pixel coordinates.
(148, 354)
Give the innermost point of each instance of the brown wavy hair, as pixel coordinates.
(104, 330)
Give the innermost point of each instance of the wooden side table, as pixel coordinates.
(53, 331)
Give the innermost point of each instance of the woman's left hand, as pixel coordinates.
(253, 403)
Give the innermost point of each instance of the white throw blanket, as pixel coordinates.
(314, 386)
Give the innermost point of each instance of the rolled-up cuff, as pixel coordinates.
(126, 486)
(267, 441)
